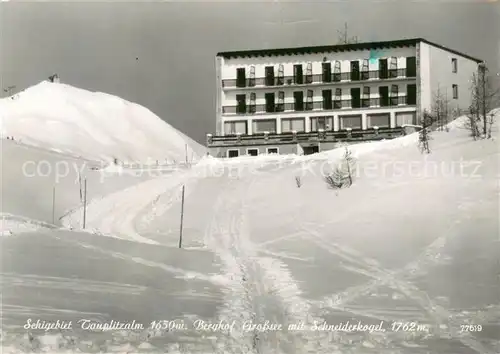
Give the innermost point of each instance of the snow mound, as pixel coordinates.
(91, 125)
(15, 224)
(463, 121)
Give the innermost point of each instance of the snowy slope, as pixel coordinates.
(92, 125)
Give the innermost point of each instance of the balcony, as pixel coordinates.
(302, 137)
(280, 81)
(316, 106)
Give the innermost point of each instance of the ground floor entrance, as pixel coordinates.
(309, 150)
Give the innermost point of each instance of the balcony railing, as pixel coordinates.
(289, 137)
(319, 78)
(316, 105)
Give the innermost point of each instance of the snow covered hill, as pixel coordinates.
(92, 125)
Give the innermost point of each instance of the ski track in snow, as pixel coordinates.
(261, 289)
(445, 324)
(181, 273)
(62, 283)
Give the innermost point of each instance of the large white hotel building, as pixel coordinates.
(303, 100)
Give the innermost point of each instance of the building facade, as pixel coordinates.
(309, 99)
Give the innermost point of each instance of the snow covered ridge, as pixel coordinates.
(15, 224)
(92, 125)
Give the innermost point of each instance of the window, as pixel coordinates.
(393, 70)
(365, 102)
(337, 103)
(337, 72)
(309, 100)
(252, 108)
(382, 120)
(233, 153)
(411, 94)
(411, 67)
(365, 73)
(298, 97)
(454, 65)
(251, 80)
(394, 95)
(383, 69)
(233, 128)
(272, 150)
(269, 75)
(264, 125)
(240, 77)
(403, 118)
(293, 124)
(241, 107)
(270, 102)
(281, 75)
(253, 152)
(309, 73)
(327, 99)
(455, 92)
(355, 97)
(324, 123)
(353, 122)
(327, 72)
(297, 74)
(354, 70)
(280, 106)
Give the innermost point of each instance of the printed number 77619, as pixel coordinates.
(471, 328)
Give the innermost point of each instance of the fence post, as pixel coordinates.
(85, 202)
(182, 217)
(53, 205)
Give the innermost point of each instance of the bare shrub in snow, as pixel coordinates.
(441, 109)
(473, 121)
(484, 98)
(298, 181)
(424, 133)
(342, 174)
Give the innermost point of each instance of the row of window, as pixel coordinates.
(276, 103)
(251, 151)
(387, 69)
(298, 124)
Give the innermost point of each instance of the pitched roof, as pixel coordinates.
(338, 48)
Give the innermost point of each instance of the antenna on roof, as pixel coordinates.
(344, 37)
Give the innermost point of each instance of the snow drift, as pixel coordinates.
(92, 125)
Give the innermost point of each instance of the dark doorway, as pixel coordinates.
(240, 77)
(270, 107)
(241, 107)
(411, 94)
(297, 74)
(309, 150)
(383, 69)
(383, 92)
(354, 70)
(411, 67)
(269, 75)
(355, 97)
(327, 72)
(299, 100)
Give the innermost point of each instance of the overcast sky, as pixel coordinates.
(94, 45)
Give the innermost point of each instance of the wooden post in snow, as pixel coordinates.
(182, 217)
(53, 205)
(84, 202)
